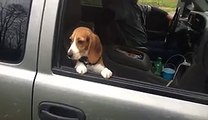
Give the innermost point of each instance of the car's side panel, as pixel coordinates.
(15, 91)
(16, 80)
(103, 102)
(100, 101)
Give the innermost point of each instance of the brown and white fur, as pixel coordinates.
(84, 43)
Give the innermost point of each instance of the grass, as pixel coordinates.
(167, 5)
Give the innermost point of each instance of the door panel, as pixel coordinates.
(100, 101)
(16, 80)
(15, 91)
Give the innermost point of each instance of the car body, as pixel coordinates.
(38, 87)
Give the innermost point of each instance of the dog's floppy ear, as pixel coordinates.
(95, 48)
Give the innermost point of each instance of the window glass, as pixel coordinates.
(14, 15)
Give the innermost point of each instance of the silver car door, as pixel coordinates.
(16, 79)
(69, 98)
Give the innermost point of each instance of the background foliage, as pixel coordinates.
(167, 5)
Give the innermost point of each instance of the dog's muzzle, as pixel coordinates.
(70, 53)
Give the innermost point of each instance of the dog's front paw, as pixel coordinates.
(82, 69)
(106, 73)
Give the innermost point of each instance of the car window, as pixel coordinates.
(171, 70)
(14, 16)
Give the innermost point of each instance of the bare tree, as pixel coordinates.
(12, 23)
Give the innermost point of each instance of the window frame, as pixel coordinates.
(126, 83)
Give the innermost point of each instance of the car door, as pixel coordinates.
(60, 95)
(20, 28)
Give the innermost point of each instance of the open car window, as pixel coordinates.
(181, 51)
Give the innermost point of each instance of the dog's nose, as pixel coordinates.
(70, 53)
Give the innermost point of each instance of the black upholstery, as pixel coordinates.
(130, 57)
(68, 19)
(71, 16)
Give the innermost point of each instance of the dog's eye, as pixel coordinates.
(80, 42)
(70, 41)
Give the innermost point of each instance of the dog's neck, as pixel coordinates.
(85, 60)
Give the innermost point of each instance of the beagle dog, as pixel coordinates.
(86, 49)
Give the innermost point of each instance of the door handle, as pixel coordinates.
(54, 111)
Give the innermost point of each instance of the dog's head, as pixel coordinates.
(84, 43)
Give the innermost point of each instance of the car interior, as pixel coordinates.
(182, 46)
